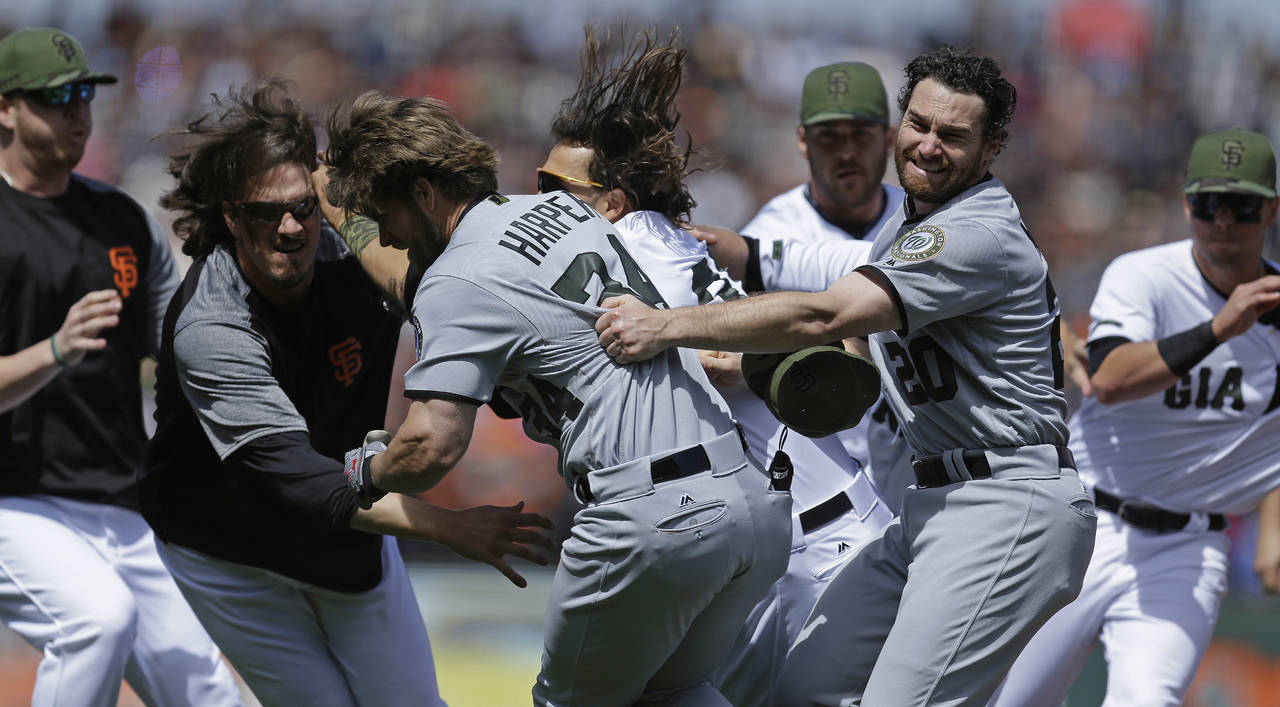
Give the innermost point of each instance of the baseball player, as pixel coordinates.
(85, 273)
(1184, 351)
(836, 508)
(845, 137)
(997, 531)
(276, 350)
(681, 534)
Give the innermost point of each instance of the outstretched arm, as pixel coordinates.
(855, 305)
(486, 534)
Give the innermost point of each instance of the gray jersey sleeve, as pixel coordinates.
(224, 369)
(939, 272)
(471, 335)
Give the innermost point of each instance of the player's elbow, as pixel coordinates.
(1110, 390)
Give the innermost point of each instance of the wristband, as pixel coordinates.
(57, 357)
(1185, 349)
(357, 468)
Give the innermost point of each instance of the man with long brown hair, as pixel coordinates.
(681, 534)
(275, 351)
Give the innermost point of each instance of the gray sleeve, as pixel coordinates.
(163, 281)
(941, 272)
(224, 370)
(469, 336)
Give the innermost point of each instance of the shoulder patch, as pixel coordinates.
(920, 243)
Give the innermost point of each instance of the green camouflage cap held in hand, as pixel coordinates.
(1237, 161)
(850, 89)
(817, 391)
(44, 57)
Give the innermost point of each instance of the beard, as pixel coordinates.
(429, 244)
(960, 176)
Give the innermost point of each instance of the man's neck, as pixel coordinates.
(1226, 277)
(853, 219)
(28, 180)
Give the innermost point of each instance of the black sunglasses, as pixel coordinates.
(550, 181)
(62, 95)
(271, 211)
(1246, 207)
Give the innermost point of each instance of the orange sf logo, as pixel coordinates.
(346, 360)
(125, 262)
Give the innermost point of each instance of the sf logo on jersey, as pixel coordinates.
(125, 262)
(346, 360)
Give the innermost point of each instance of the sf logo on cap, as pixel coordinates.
(65, 48)
(1232, 153)
(838, 83)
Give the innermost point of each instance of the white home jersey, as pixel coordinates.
(789, 221)
(512, 302)
(1212, 441)
(978, 361)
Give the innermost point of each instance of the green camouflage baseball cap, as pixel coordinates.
(850, 89)
(43, 57)
(1232, 161)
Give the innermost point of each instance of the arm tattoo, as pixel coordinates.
(358, 232)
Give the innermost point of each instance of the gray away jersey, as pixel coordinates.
(978, 362)
(512, 302)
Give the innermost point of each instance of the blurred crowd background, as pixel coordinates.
(1111, 93)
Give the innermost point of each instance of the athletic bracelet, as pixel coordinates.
(1185, 349)
(57, 357)
(358, 471)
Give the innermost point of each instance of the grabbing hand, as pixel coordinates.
(320, 179)
(489, 533)
(728, 248)
(630, 329)
(723, 368)
(1247, 302)
(87, 318)
(1075, 357)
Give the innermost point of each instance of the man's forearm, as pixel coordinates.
(786, 321)
(782, 321)
(386, 267)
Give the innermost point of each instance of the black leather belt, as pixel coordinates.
(931, 471)
(685, 462)
(825, 512)
(1150, 517)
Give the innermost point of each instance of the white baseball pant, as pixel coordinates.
(83, 584)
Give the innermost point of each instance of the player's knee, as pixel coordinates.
(106, 621)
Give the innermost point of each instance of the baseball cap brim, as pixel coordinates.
(828, 116)
(67, 77)
(1211, 185)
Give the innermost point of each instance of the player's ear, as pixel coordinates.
(1269, 207)
(228, 216)
(800, 144)
(615, 202)
(890, 138)
(7, 107)
(423, 194)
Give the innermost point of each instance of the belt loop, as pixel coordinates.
(953, 462)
